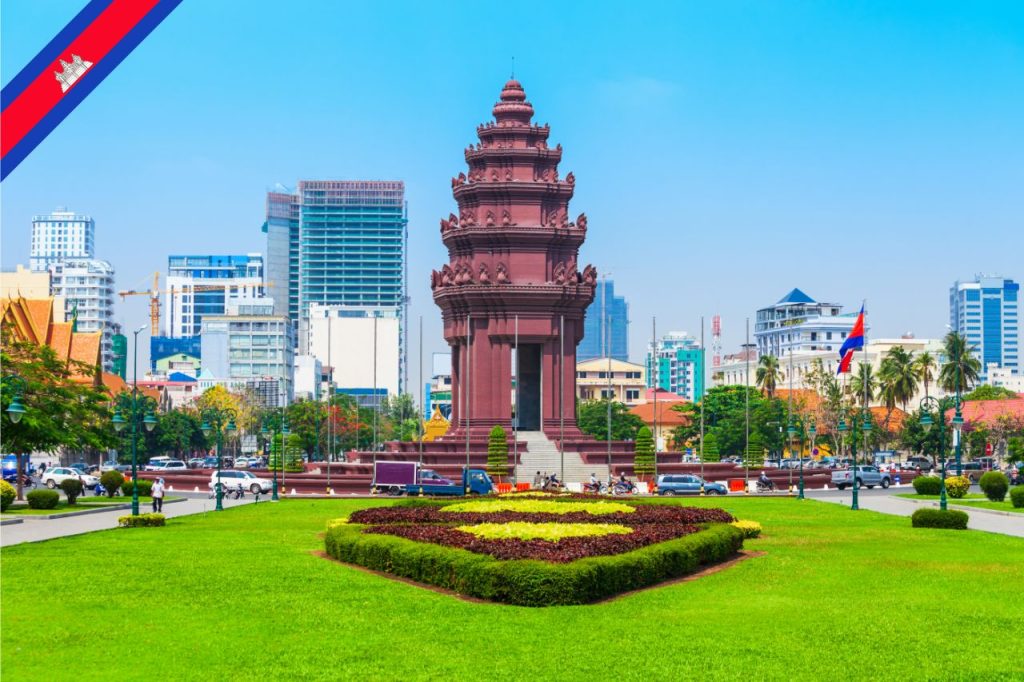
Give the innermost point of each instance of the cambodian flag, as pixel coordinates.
(853, 342)
(69, 68)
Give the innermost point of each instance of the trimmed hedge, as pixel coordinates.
(73, 488)
(111, 481)
(145, 487)
(142, 520)
(994, 484)
(927, 485)
(43, 499)
(7, 495)
(1017, 496)
(937, 518)
(529, 582)
(957, 486)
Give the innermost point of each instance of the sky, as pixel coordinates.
(724, 152)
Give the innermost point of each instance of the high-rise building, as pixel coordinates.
(61, 235)
(679, 367)
(986, 311)
(338, 243)
(87, 287)
(799, 323)
(203, 285)
(606, 326)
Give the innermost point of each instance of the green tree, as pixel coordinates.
(178, 432)
(754, 456)
(924, 365)
(768, 374)
(711, 453)
(400, 418)
(592, 419)
(961, 370)
(863, 384)
(986, 392)
(643, 453)
(497, 452)
(897, 378)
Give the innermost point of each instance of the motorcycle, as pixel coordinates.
(598, 488)
(763, 487)
(627, 488)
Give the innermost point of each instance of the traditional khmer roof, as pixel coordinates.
(989, 411)
(795, 296)
(31, 321)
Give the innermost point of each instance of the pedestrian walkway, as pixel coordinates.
(37, 529)
(898, 506)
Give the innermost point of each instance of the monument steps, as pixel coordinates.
(542, 455)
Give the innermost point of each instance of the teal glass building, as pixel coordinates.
(986, 311)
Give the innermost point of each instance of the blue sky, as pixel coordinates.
(724, 152)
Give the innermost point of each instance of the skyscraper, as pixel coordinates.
(87, 286)
(606, 327)
(203, 285)
(338, 243)
(986, 312)
(676, 364)
(59, 236)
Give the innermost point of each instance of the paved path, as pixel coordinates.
(36, 529)
(899, 506)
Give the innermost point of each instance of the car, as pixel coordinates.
(257, 463)
(792, 463)
(231, 478)
(196, 463)
(869, 476)
(431, 477)
(84, 468)
(687, 484)
(109, 465)
(57, 475)
(209, 463)
(972, 470)
(923, 463)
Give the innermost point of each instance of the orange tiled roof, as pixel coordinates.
(895, 419)
(666, 415)
(987, 411)
(808, 398)
(115, 385)
(31, 321)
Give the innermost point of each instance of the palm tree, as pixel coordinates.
(898, 376)
(768, 374)
(924, 365)
(961, 370)
(864, 383)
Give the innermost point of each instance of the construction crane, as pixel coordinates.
(155, 292)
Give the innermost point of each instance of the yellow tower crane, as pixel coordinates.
(154, 297)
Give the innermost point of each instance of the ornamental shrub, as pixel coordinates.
(928, 485)
(937, 518)
(7, 494)
(1017, 496)
(145, 487)
(111, 481)
(643, 452)
(551, 532)
(957, 486)
(142, 520)
(497, 452)
(750, 529)
(994, 484)
(43, 499)
(72, 487)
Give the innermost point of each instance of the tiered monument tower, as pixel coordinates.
(512, 278)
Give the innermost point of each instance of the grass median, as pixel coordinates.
(249, 581)
(970, 500)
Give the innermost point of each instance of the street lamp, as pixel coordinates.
(285, 431)
(928, 403)
(214, 419)
(149, 422)
(268, 450)
(791, 431)
(15, 411)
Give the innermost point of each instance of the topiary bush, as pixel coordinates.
(43, 499)
(145, 487)
(72, 487)
(750, 529)
(111, 481)
(1017, 497)
(142, 520)
(928, 485)
(7, 494)
(937, 518)
(643, 452)
(994, 484)
(497, 452)
(957, 486)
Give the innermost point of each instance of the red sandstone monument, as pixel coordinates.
(512, 268)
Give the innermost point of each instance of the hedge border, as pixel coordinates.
(528, 582)
(949, 519)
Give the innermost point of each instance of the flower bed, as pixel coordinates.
(532, 551)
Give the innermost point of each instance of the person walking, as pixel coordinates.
(158, 495)
(538, 480)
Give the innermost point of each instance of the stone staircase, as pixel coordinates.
(542, 455)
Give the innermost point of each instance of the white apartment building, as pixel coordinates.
(61, 235)
(799, 323)
(601, 378)
(87, 287)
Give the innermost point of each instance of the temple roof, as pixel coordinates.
(796, 296)
(31, 321)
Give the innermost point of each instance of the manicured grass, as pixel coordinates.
(972, 500)
(84, 503)
(242, 590)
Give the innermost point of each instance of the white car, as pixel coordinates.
(54, 477)
(230, 478)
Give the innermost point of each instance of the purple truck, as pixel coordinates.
(394, 478)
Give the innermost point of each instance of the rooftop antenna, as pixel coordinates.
(513, 67)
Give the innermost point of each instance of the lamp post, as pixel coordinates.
(280, 455)
(15, 411)
(842, 428)
(149, 421)
(219, 420)
(930, 403)
(794, 437)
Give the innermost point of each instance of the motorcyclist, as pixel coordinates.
(594, 485)
(764, 481)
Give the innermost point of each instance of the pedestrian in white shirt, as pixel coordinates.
(158, 495)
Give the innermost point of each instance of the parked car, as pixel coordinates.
(790, 464)
(972, 470)
(55, 476)
(196, 463)
(918, 461)
(687, 484)
(866, 475)
(257, 463)
(431, 477)
(230, 479)
(242, 463)
(84, 468)
(209, 462)
(731, 460)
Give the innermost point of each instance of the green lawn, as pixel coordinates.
(972, 500)
(241, 593)
(84, 503)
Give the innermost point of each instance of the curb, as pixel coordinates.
(10, 522)
(86, 512)
(965, 507)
